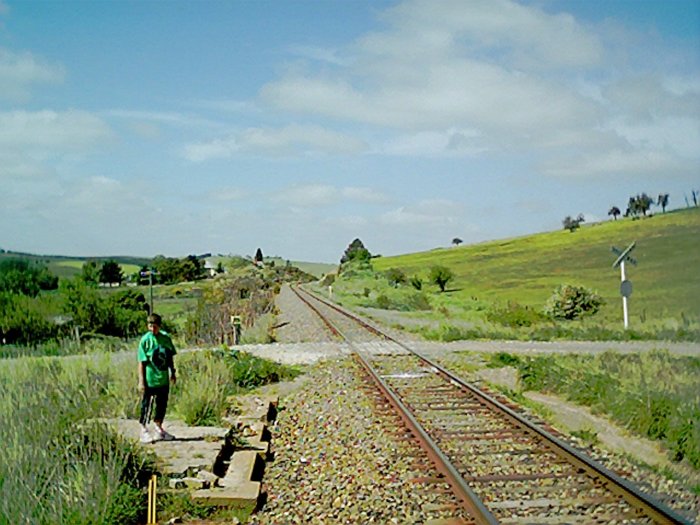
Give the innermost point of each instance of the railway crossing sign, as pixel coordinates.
(625, 285)
(624, 255)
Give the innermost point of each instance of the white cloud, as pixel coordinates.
(645, 98)
(321, 54)
(293, 139)
(628, 162)
(364, 194)
(435, 70)
(317, 195)
(310, 195)
(437, 212)
(524, 36)
(350, 221)
(228, 194)
(20, 71)
(171, 118)
(31, 143)
(459, 78)
(52, 130)
(435, 144)
(226, 105)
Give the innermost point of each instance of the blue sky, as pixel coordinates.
(172, 128)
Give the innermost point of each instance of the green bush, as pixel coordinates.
(572, 302)
(23, 320)
(515, 315)
(447, 332)
(418, 301)
(19, 276)
(383, 302)
(395, 277)
(402, 301)
(197, 403)
(501, 359)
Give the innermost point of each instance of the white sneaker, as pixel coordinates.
(146, 436)
(162, 435)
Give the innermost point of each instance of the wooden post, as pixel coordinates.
(152, 484)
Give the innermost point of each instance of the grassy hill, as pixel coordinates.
(527, 269)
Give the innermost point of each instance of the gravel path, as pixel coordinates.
(296, 322)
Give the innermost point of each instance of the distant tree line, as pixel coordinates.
(74, 306)
(172, 270)
(637, 206)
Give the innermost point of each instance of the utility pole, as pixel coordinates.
(625, 285)
(150, 273)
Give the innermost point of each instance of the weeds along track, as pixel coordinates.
(501, 467)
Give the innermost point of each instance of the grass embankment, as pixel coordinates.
(58, 465)
(654, 394)
(512, 279)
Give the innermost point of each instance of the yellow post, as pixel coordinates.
(152, 483)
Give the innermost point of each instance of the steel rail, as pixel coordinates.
(645, 504)
(472, 503)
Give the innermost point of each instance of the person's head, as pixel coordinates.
(154, 321)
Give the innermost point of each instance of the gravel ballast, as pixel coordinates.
(336, 462)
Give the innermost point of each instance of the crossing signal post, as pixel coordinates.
(149, 273)
(625, 285)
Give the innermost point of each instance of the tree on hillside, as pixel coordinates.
(440, 276)
(355, 251)
(396, 276)
(191, 268)
(615, 212)
(573, 224)
(662, 201)
(639, 204)
(111, 273)
(456, 241)
(90, 272)
(258, 256)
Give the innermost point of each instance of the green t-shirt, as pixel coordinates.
(156, 351)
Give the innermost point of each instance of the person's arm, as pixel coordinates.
(171, 365)
(141, 357)
(142, 375)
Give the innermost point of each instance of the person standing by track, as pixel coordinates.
(156, 371)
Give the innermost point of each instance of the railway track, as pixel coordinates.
(501, 467)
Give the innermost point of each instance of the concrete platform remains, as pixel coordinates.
(220, 466)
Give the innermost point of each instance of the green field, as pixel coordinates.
(66, 267)
(70, 268)
(526, 270)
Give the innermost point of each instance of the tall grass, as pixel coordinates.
(197, 403)
(654, 394)
(59, 464)
(56, 464)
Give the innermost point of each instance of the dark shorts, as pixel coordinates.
(157, 395)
